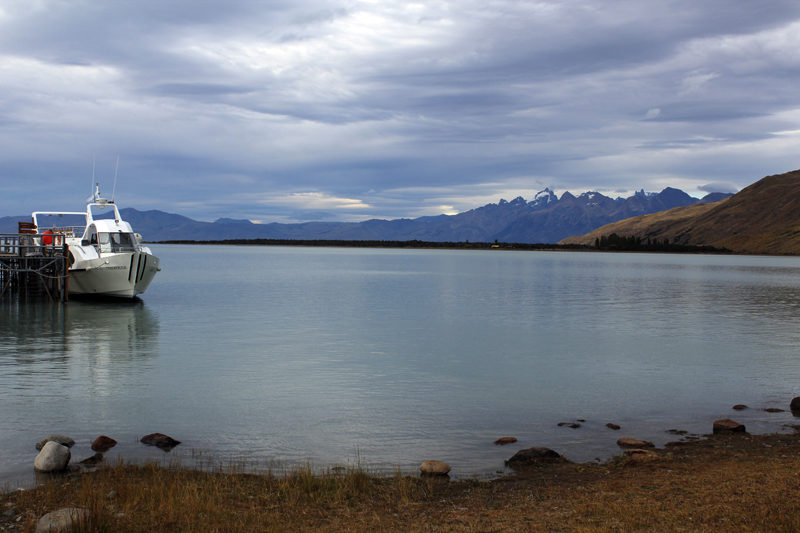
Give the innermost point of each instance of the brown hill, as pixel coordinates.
(763, 218)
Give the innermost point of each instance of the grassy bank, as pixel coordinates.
(723, 483)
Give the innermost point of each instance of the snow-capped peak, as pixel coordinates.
(543, 199)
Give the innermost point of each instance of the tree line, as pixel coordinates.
(611, 242)
(618, 243)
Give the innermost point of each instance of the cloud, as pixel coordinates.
(718, 187)
(696, 82)
(389, 109)
(314, 200)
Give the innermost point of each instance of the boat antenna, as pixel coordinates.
(115, 181)
(94, 163)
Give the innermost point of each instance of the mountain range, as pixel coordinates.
(763, 218)
(545, 219)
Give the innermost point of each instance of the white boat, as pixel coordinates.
(106, 258)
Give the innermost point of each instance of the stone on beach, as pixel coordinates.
(740, 407)
(628, 442)
(61, 439)
(573, 425)
(728, 426)
(434, 468)
(774, 410)
(613, 426)
(103, 443)
(505, 440)
(62, 521)
(638, 455)
(160, 440)
(54, 457)
(795, 404)
(534, 455)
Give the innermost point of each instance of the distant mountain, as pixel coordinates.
(10, 224)
(573, 215)
(763, 218)
(544, 219)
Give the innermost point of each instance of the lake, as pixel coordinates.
(388, 358)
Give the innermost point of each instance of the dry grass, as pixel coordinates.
(736, 483)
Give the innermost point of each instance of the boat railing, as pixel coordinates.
(33, 245)
(67, 231)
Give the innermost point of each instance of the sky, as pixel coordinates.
(289, 111)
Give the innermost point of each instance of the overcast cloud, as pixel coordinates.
(349, 110)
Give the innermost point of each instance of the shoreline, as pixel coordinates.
(590, 442)
(737, 482)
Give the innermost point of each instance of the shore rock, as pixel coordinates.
(628, 442)
(573, 425)
(54, 457)
(103, 444)
(93, 460)
(795, 404)
(62, 521)
(434, 468)
(502, 441)
(613, 426)
(728, 426)
(640, 456)
(61, 439)
(160, 440)
(774, 410)
(740, 406)
(677, 431)
(534, 455)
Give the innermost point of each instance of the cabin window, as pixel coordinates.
(116, 242)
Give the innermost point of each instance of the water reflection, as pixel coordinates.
(90, 341)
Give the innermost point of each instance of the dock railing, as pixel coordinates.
(34, 265)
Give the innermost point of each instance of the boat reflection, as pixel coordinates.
(95, 340)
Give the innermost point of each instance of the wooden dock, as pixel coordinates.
(34, 267)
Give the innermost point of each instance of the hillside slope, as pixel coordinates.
(762, 218)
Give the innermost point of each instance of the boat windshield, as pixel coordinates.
(116, 242)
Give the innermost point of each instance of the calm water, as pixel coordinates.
(393, 357)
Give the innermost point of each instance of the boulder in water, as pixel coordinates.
(160, 440)
(61, 439)
(54, 457)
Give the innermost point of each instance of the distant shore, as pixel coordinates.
(466, 245)
(333, 243)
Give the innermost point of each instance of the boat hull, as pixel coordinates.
(122, 275)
